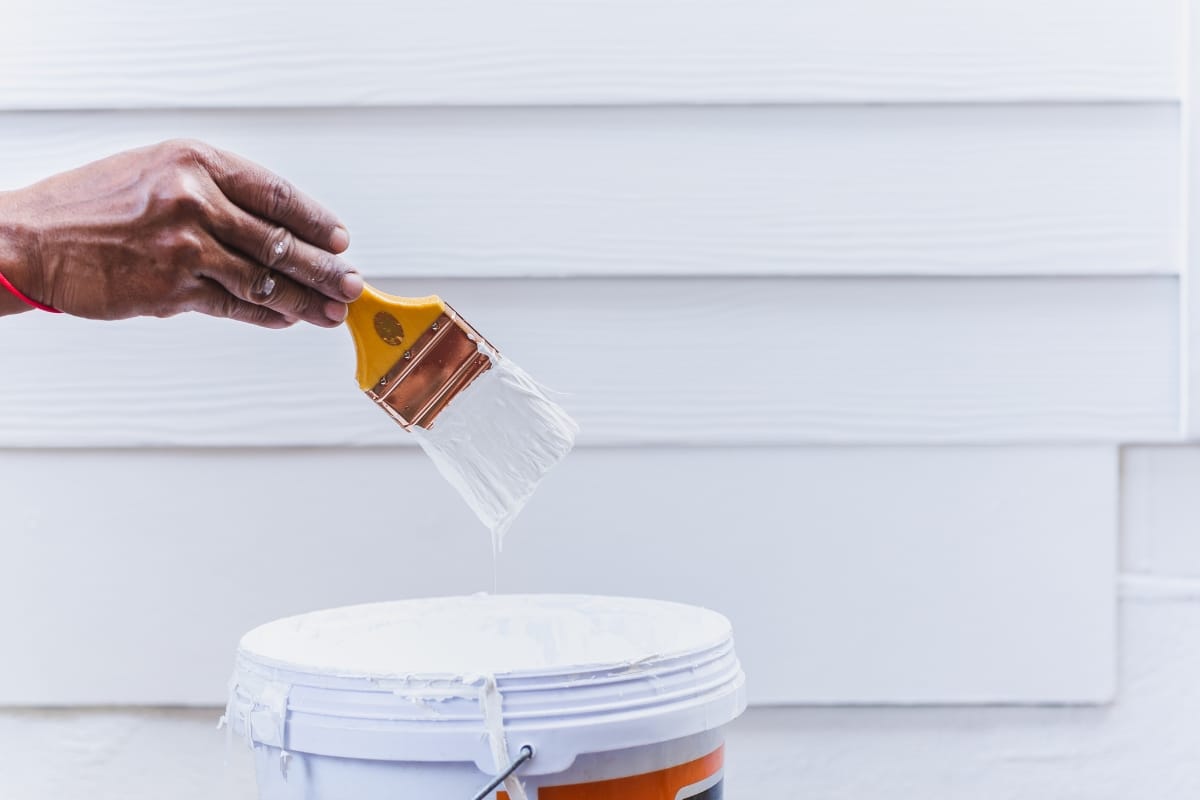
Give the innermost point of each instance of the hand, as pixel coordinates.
(175, 227)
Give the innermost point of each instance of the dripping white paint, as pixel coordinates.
(497, 440)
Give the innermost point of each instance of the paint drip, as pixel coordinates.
(496, 441)
(492, 704)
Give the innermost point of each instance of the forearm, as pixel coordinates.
(17, 263)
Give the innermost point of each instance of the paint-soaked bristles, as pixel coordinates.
(496, 440)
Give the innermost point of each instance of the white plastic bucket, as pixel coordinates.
(429, 699)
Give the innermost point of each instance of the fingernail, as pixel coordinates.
(340, 239)
(335, 311)
(352, 285)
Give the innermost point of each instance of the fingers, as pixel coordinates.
(257, 285)
(264, 194)
(211, 298)
(277, 248)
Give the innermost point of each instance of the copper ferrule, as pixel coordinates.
(440, 364)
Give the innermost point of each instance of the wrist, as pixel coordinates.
(18, 258)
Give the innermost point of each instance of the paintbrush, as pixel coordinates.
(491, 430)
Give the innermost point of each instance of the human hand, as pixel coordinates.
(178, 226)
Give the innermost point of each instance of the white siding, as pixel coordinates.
(797, 190)
(137, 53)
(835, 565)
(1161, 510)
(768, 361)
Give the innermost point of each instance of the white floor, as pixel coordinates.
(1146, 745)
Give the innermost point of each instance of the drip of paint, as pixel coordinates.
(496, 441)
(492, 704)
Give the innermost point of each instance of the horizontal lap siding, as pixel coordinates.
(766, 361)
(842, 191)
(135, 53)
(851, 574)
(1160, 511)
(784, 227)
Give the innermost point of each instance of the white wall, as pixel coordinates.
(860, 305)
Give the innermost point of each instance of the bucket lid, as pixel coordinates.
(443, 679)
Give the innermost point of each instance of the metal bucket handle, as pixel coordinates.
(521, 760)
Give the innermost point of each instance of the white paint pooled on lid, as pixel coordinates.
(485, 634)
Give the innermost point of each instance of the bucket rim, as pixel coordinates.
(561, 711)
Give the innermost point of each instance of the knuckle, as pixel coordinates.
(263, 287)
(319, 220)
(189, 201)
(177, 196)
(278, 246)
(326, 270)
(281, 198)
(184, 151)
(183, 248)
(248, 312)
(261, 316)
(226, 305)
(302, 303)
(190, 204)
(174, 149)
(314, 305)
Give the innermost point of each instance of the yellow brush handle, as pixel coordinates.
(384, 326)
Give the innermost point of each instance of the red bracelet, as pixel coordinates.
(29, 301)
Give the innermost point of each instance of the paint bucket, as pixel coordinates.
(614, 698)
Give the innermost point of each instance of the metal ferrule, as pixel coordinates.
(440, 364)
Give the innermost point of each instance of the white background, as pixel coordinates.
(877, 316)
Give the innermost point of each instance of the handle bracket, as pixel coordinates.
(521, 760)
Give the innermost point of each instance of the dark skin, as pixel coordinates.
(179, 226)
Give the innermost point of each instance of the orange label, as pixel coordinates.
(696, 780)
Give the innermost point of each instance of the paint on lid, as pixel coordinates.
(485, 634)
(458, 678)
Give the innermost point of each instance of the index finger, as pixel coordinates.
(256, 189)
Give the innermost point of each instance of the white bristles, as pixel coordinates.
(496, 440)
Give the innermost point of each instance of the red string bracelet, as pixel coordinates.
(29, 301)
